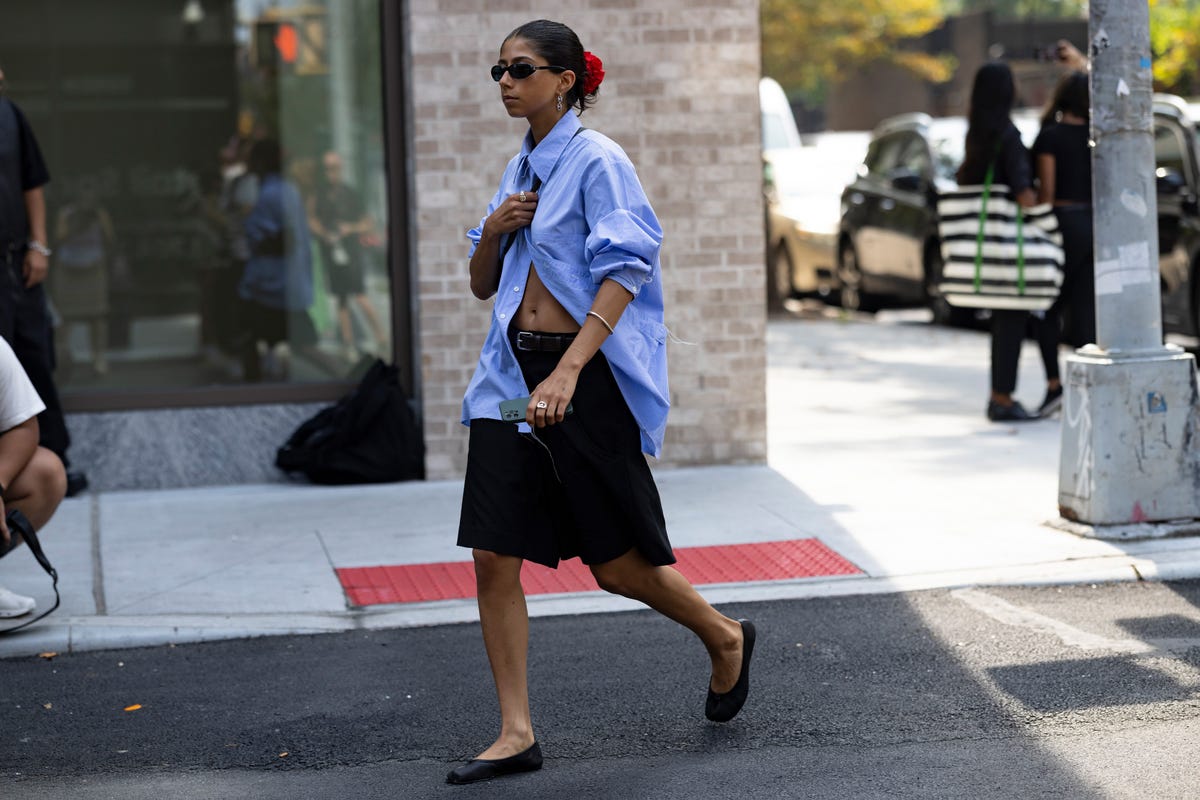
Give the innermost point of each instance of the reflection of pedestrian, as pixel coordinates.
(238, 192)
(85, 245)
(24, 264)
(339, 222)
(581, 274)
(277, 282)
(1063, 164)
(993, 139)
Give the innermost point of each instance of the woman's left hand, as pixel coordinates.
(556, 392)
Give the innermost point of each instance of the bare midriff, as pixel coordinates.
(540, 310)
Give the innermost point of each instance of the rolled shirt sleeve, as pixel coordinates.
(625, 235)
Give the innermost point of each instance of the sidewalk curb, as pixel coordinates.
(85, 634)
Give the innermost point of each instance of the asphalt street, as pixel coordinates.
(1066, 692)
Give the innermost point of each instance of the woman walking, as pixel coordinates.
(994, 141)
(1063, 164)
(569, 248)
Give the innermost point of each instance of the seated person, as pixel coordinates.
(32, 478)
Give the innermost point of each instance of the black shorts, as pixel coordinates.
(579, 488)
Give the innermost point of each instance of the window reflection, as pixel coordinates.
(217, 201)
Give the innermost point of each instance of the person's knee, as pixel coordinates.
(612, 578)
(493, 568)
(40, 487)
(49, 477)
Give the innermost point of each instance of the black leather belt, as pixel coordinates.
(544, 342)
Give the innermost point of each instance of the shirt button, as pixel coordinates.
(516, 289)
(502, 316)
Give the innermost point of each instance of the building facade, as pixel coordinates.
(158, 117)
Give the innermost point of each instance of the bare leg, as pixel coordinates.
(368, 310)
(39, 488)
(670, 594)
(505, 622)
(344, 322)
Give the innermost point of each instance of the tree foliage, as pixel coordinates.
(807, 44)
(1175, 43)
(1020, 9)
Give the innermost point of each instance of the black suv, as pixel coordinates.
(1177, 174)
(888, 249)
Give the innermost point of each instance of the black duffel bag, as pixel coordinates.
(369, 436)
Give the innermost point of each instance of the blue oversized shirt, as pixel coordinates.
(284, 282)
(593, 222)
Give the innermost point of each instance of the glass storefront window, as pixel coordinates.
(218, 202)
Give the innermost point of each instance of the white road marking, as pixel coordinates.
(1005, 612)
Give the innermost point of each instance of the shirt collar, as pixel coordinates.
(543, 157)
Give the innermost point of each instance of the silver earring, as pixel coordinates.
(558, 103)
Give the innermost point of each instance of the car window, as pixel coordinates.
(947, 156)
(774, 132)
(914, 156)
(1169, 149)
(883, 154)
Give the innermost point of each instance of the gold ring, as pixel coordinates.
(541, 404)
(522, 196)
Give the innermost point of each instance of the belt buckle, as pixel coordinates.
(526, 340)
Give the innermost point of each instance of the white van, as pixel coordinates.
(778, 124)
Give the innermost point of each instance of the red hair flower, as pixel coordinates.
(595, 72)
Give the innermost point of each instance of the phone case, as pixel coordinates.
(514, 410)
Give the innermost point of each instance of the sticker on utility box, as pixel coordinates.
(1156, 403)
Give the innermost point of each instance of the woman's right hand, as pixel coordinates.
(513, 214)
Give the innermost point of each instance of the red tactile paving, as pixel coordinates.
(734, 563)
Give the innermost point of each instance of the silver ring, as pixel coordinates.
(522, 196)
(541, 404)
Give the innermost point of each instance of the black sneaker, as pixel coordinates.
(1051, 404)
(1014, 413)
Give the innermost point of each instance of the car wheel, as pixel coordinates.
(850, 280)
(779, 282)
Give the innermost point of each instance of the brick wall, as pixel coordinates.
(681, 96)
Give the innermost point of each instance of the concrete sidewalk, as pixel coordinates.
(878, 448)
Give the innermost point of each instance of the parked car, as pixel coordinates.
(779, 131)
(802, 186)
(888, 249)
(888, 246)
(1177, 177)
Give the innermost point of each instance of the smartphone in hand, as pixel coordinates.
(514, 410)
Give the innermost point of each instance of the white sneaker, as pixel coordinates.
(15, 605)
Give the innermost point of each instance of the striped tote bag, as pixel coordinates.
(995, 253)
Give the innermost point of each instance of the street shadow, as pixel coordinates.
(1072, 685)
(1163, 627)
(852, 698)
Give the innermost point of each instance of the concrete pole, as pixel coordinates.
(1128, 302)
(1129, 455)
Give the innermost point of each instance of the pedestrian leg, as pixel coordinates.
(670, 594)
(505, 622)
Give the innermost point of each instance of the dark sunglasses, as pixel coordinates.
(520, 71)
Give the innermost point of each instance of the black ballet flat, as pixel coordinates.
(724, 707)
(484, 769)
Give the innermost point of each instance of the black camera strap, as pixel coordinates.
(18, 523)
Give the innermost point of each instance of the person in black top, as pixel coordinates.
(24, 264)
(1063, 163)
(993, 138)
(337, 218)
